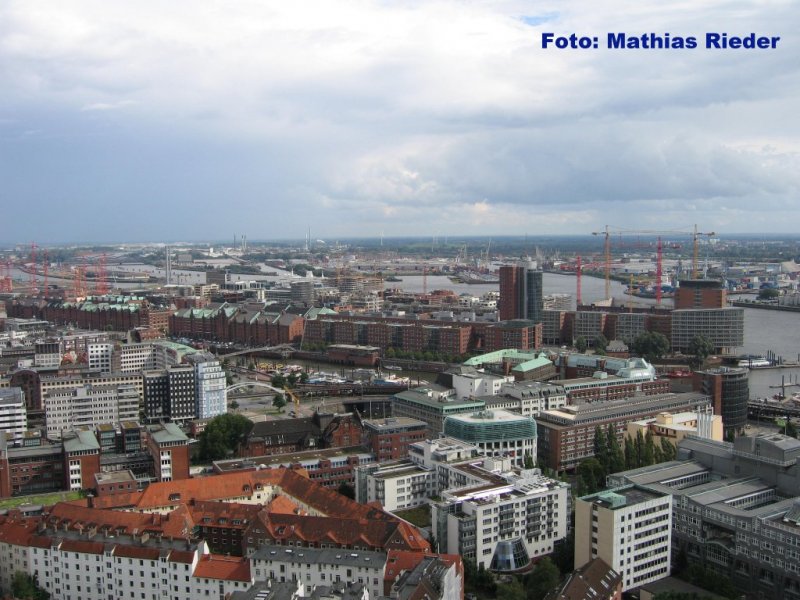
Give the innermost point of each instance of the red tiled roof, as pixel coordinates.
(228, 568)
(282, 505)
(82, 518)
(137, 552)
(181, 556)
(341, 532)
(222, 514)
(18, 532)
(40, 541)
(398, 561)
(83, 546)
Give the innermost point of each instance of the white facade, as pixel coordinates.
(506, 525)
(100, 356)
(529, 398)
(468, 385)
(319, 566)
(13, 414)
(630, 528)
(397, 486)
(82, 569)
(211, 392)
(89, 406)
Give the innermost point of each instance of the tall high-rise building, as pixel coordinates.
(521, 292)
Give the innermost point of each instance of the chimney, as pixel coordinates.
(90, 500)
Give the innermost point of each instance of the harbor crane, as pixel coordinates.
(606, 234)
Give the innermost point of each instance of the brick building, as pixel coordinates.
(566, 435)
(390, 438)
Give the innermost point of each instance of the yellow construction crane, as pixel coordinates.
(294, 397)
(696, 237)
(607, 259)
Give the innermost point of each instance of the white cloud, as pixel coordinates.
(403, 114)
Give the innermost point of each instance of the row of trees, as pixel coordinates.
(612, 457)
(428, 355)
(535, 585)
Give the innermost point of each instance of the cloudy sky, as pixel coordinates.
(193, 120)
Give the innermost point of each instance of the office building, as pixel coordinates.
(527, 398)
(723, 327)
(729, 390)
(735, 509)
(566, 436)
(521, 293)
(432, 404)
(211, 396)
(390, 438)
(630, 529)
(496, 433)
(13, 413)
(89, 406)
(674, 427)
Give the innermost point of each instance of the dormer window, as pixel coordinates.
(174, 497)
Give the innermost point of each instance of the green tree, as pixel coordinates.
(601, 447)
(25, 587)
(222, 436)
(649, 452)
(390, 352)
(638, 452)
(616, 456)
(630, 453)
(345, 489)
(700, 347)
(234, 404)
(668, 450)
(514, 590)
(768, 294)
(592, 475)
(581, 344)
(542, 580)
(291, 380)
(278, 381)
(528, 461)
(303, 377)
(279, 401)
(651, 345)
(564, 554)
(600, 343)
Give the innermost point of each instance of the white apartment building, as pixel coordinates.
(319, 566)
(472, 382)
(397, 486)
(433, 465)
(528, 398)
(13, 414)
(114, 568)
(89, 406)
(630, 528)
(505, 521)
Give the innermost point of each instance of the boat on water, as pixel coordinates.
(754, 362)
(391, 380)
(392, 368)
(471, 277)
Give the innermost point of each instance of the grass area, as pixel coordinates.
(420, 516)
(43, 499)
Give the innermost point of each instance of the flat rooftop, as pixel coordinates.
(274, 460)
